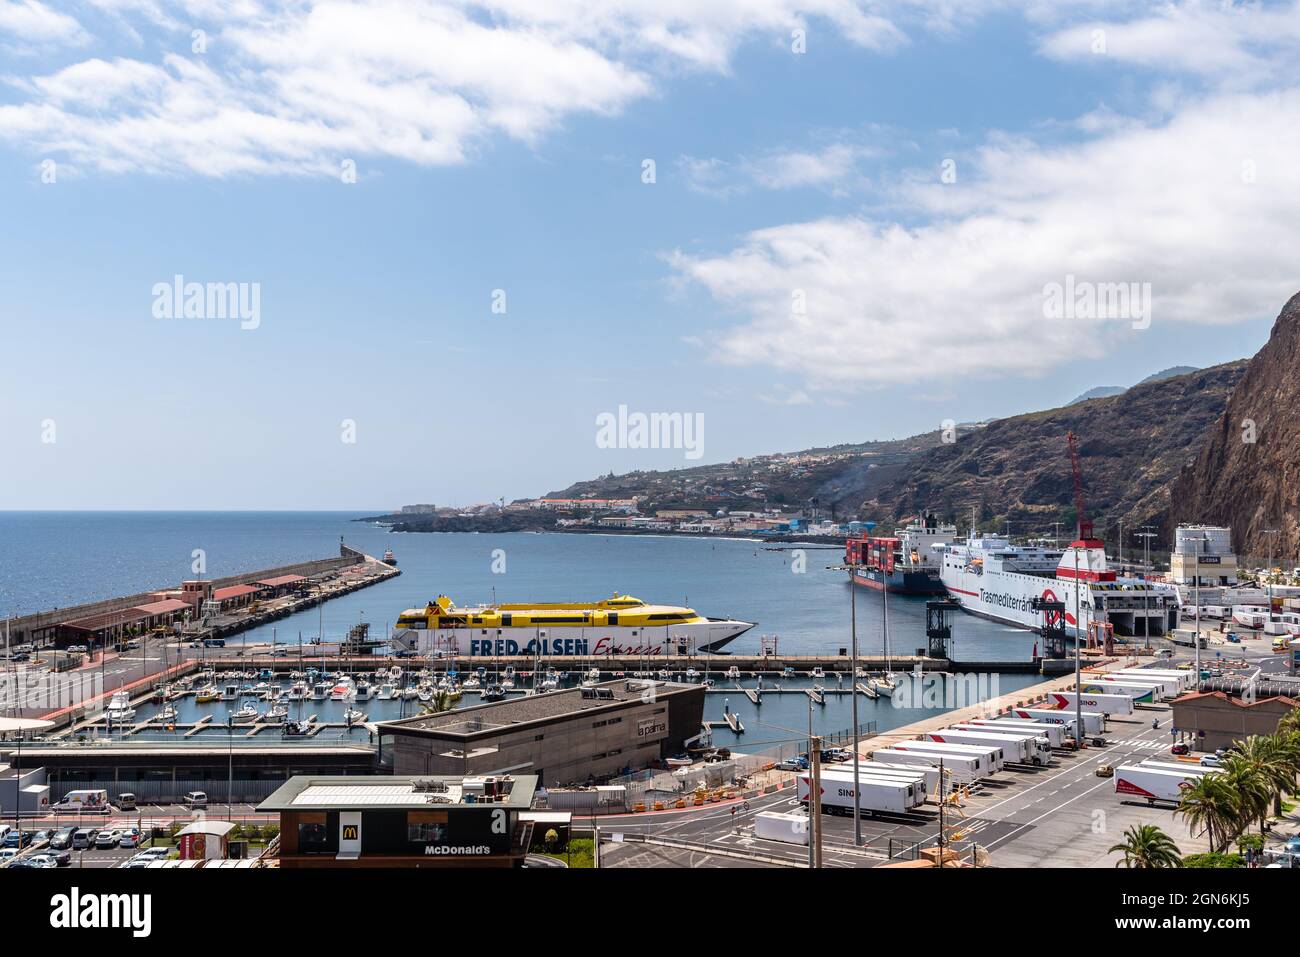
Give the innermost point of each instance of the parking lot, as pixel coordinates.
(1055, 816)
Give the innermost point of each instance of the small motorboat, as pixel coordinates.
(353, 716)
(386, 692)
(493, 692)
(245, 713)
(365, 691)
(207, 695)
(320, 691)
(167, 715)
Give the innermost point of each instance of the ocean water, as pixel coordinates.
(53, 559)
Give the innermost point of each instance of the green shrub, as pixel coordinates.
(1212, 860)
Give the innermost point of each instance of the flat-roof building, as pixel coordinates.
(1215, 720)
(403, 821)
(573, 736)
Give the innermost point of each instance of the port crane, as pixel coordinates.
(1081, 512)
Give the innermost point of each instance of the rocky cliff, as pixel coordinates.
(1247, 472)
(1017, 470)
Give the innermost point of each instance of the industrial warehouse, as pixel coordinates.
(563, 737)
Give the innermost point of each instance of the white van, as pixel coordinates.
(88, 800)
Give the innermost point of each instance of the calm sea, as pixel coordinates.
(54, 559)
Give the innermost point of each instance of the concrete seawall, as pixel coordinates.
(40, 625)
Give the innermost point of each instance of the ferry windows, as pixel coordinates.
(613, 618)
(506, 618)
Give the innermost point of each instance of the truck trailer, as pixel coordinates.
(1016, 749)
(878, 795)
(1054, 733)
(989, 757)
(1093, 721)
(1154, 784)
(1185, 678)
(1112, 703)
(1166, 687)
(964, 768)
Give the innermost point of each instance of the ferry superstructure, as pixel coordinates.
(621, 625)
(906, 564)
(995, 579)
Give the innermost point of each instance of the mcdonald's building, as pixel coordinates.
(394, 821)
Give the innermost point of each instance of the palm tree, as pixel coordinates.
(1211, 804)
(1290, 723)
(1252, 785)
(1147, 846)
(1272, 761)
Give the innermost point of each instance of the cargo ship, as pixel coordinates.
(621, 625)
(907, 564)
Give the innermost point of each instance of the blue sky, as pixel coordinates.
(498, 146)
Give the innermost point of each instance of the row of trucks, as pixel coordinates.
(1158, 780)
(901, 777)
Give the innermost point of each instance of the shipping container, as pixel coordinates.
(960, 768)
(1054, 733)
(789, 828)
(1016, 749)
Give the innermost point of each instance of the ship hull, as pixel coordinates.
(1008, 598)
(899, 581)
(707, 637)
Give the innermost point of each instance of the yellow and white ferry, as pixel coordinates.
(621, 625)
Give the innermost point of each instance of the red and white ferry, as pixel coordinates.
(998, 580)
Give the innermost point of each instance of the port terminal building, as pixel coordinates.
(573, 736)
(403, 821)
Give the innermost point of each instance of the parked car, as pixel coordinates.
(196, 799)
(126, 801)
(34, 861)
(18, 839)
(8, 853)
(152, 854)
(1180, 749)
(793, 764)
(60, 858)
(83, 838)
(108, 838)
(1210, 761)
(62, 839)
(130, 838)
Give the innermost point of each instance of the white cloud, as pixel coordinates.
(298, 86)
(33, 22)
(1237, 45)
(828, 167)
(963, 295)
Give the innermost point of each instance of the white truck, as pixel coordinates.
(1154, 784)
(1016, 749)
(1120, 704)
(1054, 733)
(878, 795)
(1011, 730)
(788, 828)
(871, 770)
(989, 757)
(960, 768)
(1142, 692)
(1093, 721)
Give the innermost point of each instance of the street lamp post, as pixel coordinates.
(853, 692)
